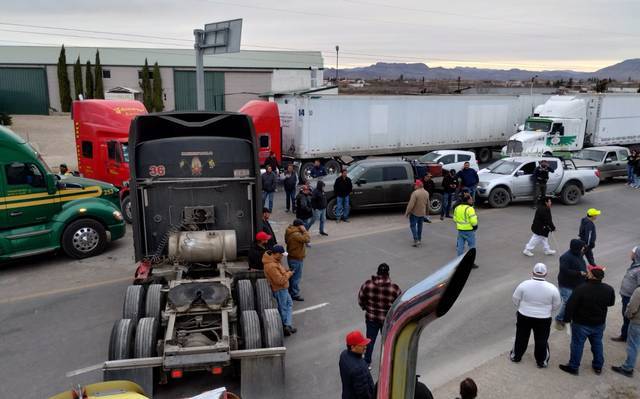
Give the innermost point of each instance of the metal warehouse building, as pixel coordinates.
(29, 80)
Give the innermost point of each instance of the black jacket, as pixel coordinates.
(541, 175)
(318, 197)
(255, 256)
(290, 182)
(449, 183)
(588, 303)
(542, 221)
(273, 162)
(587, 232)
(303, 206)
(342, 186)
(571, 265)
(429, 185)
(356, 378)
(269, 181)
(266, 227)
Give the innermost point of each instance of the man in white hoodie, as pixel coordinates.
(536, 300)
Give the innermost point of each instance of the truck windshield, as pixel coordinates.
(590, 155)
(504, 167)
(430, 157)
(46, 167)
(125, 152)
(537, 126)
(354, 171)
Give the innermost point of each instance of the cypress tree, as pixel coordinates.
(158, 102)
(77, 79)
(98, 92)
(88, 81)
(63, 82)
(145, 85)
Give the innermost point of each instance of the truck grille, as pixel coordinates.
(514, 147)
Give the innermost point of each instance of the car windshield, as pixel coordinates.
(537, 126)
(504, 167)
(125, 152)
(430, 157)
(590, 155)
(354, 171)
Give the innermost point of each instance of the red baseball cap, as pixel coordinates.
(419, 183)
(355, 338)
(595, 267)
(262, 236)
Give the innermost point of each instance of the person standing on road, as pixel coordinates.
(417, 209)
(469, 179)
(541, 227)
(587, 233)
(466, 223)
(342, 188)
(266, 227)
(631, 163)
(278, 278)
(269, 181)
(430, 187)
(257, 250)
(630, 282)
(536, 299)
(376, 297)
(304, 211)
(357, 382)
(319, 206)
(541, 177)
(296, 237)
(318, 170)
(636, 170)
(587, 311)
(633, 336)
(449, 188)
(290, 182)
(273, 162)
(572, 272)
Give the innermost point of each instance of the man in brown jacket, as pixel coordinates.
(417, 209)
(278, 278)
(296, 236)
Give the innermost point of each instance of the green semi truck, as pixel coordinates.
(43, 212)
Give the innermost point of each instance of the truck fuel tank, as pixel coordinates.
(203, 246)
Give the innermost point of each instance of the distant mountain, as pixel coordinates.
(385, 70)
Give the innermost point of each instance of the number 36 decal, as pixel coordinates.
(156, 170)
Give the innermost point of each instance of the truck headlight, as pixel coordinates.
(117, 215)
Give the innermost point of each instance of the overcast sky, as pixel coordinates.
(544, 34)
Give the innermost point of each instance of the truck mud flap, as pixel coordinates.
(142, 377)
(262, 377)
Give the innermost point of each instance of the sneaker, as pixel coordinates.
(419, 243)
(346, 220)
(427, 220)
(567, 369)
(293, 329)
(441, 217)
(286, 331)
(550, 252)
(415, 243)
(541, 366)
(527, 252)
(307, 245)
(559, 325)
(513, 358)
(298, 298)
(623, 371)
(597, 371)
(322, 233)
(618, 339)
(337, 221)
(286, 210)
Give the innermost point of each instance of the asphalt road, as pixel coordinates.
(55, 318)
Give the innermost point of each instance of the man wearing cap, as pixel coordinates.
(630, 282)
(587, 311)
(376, 297)
(278, 278)
(296, 237)
(266, 227)
(466, 223)
(633, 336)
(587, 233)
(417, 210)
(257, 250)
(541, 227)
(536, 299)
(357, 382)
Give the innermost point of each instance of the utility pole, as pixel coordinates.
(531, 93)
(199, 42)
(337, 50)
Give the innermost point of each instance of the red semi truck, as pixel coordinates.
(102, 133)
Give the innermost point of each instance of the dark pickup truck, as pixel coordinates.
(383, 182)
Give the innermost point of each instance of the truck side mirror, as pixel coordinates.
(520, 173)
(608, 160)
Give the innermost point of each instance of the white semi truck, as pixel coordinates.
(570, 123)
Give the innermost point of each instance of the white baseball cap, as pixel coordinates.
(540, 269)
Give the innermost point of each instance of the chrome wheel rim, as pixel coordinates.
(85, 239)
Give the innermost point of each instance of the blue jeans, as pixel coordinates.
(565, 293)
(321, 216)
(630, 175)
(342, 208)
(633, 344)
(294, 283)
(309, 222)
(415, 224)
(285, 305)
(579, 334)
(625, 321)
(373, 328)
(637, 181)
(290, 198)
(465, 236)
(447, 200)
(267, 197)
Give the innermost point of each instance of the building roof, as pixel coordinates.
(166, 57)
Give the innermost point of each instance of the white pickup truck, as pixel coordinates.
(511, 179)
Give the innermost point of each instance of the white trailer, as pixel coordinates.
(344, 127)
(570, 123)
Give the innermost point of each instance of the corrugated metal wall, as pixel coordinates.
(185, 90)
(24, 91)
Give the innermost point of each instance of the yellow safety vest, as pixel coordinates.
(465, 217)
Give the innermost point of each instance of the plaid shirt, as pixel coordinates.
(376, 297)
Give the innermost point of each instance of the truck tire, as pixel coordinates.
(134, 303)
(435, 203)
(127, 213)
(499, 197)
(331, 209)
(570, 194)
(250, 324)
(483, 154)
(146, 338)
(245, 295)
(121, 340)
(272, 331)
(154, 302)
(83, 238)
(333, 167)
(264, 296)
(305, 170)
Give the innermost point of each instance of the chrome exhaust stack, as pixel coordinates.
(411, 312)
